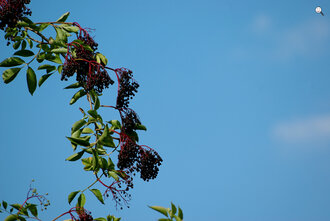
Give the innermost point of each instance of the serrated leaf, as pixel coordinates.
(98, 195)
(61, 35)
(24, 53)
(87, 130)
(79, 141)
(108, 142)
(10, 74)
(44, 78)
(77, 95)
(11, 62)
(160, 209)
(31, 79)
(74, 85)
(72, 196)
(63, 17)
(75, 156)
(81, 200)
(60, 50)
(77, 125)
(55, 59)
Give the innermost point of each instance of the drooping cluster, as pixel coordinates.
(134, 157)
(11, 11)
(148, 164)
(128, 154)
(127, 87)
(85, 216)
(90, 74)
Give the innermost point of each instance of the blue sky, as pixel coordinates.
(235, 96)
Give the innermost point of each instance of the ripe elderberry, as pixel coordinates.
(11, 11)
(90, 74)
(129, 120)
(127, 87)
(128, 154)
(148, 164)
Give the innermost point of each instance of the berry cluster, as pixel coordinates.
(129, 121)
(90, 74)
(11, 11)
(148, 164)
(147, 160)
(128, 154)
(127, 87)
(84, 215)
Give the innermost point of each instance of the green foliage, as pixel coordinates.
(170, 213)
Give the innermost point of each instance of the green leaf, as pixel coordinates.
(72, 196)
(104, 134)
(23, 45)
(55, 59)
(87, 130)
(113, 175)
(16, 44)
(100, 219)
(31, 80)
(81, 200)
(71, 28)
(10, 74)
(33, 209)
(24, 53)
(11, 218)
(74, 85)
(43, 27)
(75, 156)
(111, 165)
(160, 209)
(41, 57)
(95, 160)
(164, 219)
(48, 67)
(77, 125)
(63, 17)
(61, 35)
(44, 78)
(177, 218)
(108, 142)
(98, 195)
(4, 204)
(12, 61)
(79, 141)
(77, 95)
(97, 104)
(93, 113)
(59, 50)
(140, 127)
(59, 69)
(180, 214)
(173, 208)
(30, 42)
(75, 135)
(116, 124)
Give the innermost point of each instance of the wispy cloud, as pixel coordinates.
(312, 129)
